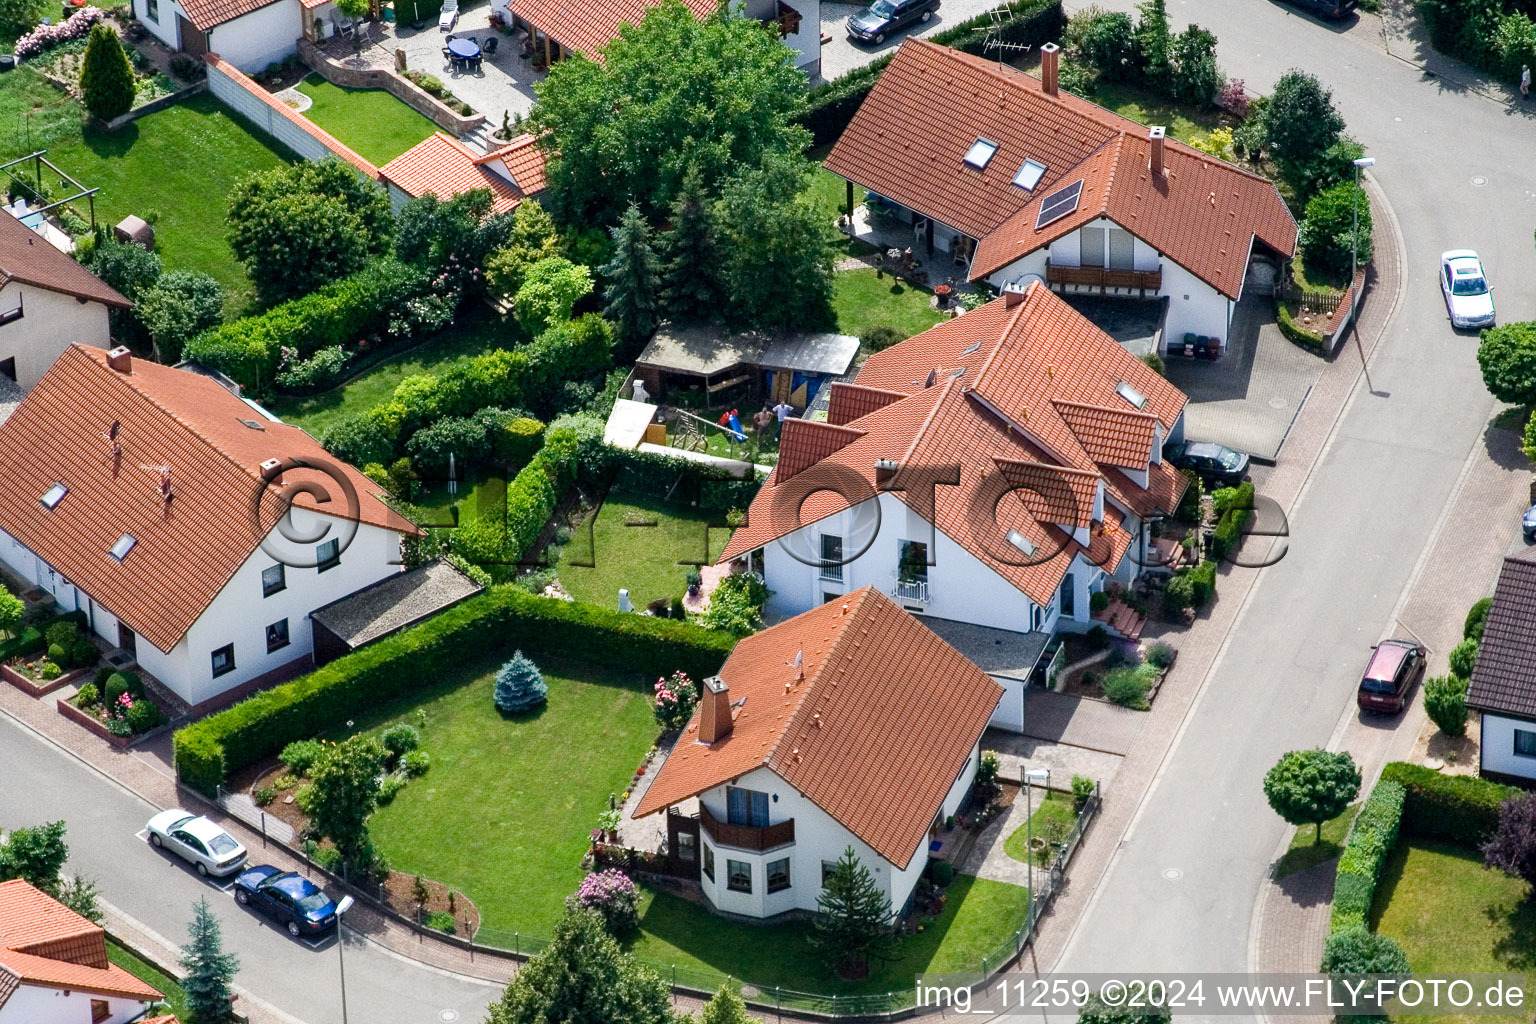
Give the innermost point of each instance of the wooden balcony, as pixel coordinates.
(756, 838)
(1104, 278)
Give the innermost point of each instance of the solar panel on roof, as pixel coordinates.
(1059, 203)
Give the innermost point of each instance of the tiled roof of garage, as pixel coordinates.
(1504, 678)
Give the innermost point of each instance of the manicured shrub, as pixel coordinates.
(1329, 229)
(50, 670)
(301, 755)
(181, 304)
(460, 436)
(500, 618)
(1463, 658)
(1477, 616)
(943, 873)
(82, 653)
(519, 686)
(1445, 701)
(1160, 655)
(106, 77)
(58, 655)
(415, 763)
(399, 740)
(615, 898)
(1309, 787)
(88, 697)
(1461, 808)
(1358, 951)
(517, 440)
(1371, 840)
(1128, 686)
(62, 634)
(143, 715)
(117, 685)
(1098, 601)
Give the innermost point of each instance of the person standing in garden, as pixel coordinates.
(1525, 81)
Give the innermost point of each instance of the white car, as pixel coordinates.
(1468, 296)
(197, 841)
(448, 16)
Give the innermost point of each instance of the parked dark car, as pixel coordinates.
(1528, 524)
(292, 900)
(1394, 667)
(884, 17)
(1214, 463)
(1334, 9)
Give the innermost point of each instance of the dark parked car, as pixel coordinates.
(293, 900)
(1214, 463)
(1326, 8)
(1528, 524)
(884, 17)
(1394, 667)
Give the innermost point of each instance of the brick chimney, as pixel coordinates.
(715, 711)
(1050, 66)
(120, 359)
(1155, 136)
(1012, 297)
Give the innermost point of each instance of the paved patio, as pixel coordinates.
(1248, 398)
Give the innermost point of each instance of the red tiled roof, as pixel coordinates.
(187, 549)
(304, 124)
(524, 161)
(207, 14)
(847, 402)
(446, 167)
(877, 750)
(589, 25)
(27, 257)
(43, 942)
(1035, 403)
(899, 146)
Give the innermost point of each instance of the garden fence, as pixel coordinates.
(1319, 300)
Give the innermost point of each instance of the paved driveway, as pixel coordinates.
(842, 55)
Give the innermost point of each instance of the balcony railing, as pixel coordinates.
(1104, 278)
(746, 837)
(911, 590)
(830, 573)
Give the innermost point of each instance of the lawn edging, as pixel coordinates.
(207, 751)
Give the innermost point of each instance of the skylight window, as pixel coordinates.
(124, 545)
(980, 153)
(1029, 175)
(1131, 395)
(971, 349)
(1059, 204)
(53, 495)
(1021, 542)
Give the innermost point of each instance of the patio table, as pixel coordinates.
(467, 49)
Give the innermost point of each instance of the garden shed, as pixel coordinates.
(777, 366)
(388, 606)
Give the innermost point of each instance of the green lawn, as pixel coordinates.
(371, 121)
(152, 975)
(1452, 915)
(1307, 851)
(828, 188)
(504, 812)
(863, 300)
(643, 558)
(1183, 122)
(33, 114)
(469, 336)
(979, 917)
(1055, 807)
(174, 167)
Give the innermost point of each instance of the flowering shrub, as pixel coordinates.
(676, 697)
(614, 896)
(1234, 98)
(46, 37)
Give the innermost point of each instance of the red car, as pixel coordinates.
(1395, 666)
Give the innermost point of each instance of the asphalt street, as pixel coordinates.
(1456, 166)
(299, 978)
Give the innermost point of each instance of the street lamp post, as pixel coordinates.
(1031, 776)
(341, 956)
(1354, 234)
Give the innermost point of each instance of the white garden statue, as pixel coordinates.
(625, 604)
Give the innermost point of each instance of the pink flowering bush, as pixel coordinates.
(1234, 98)
(676, 697)
(614, 896)
(46, 37)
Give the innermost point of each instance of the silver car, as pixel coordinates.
(1468, 296)
(197, 841)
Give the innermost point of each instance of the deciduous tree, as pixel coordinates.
(453, 237)
(1507, 355)
(1329, 230)
(1301, 123)
(777, 247)
(35, 854)
(1512, 847)
(725, 1007)
(1309, 787)
(550, 290)
(181, 304)
(344, 791)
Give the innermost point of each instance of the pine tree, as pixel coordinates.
(106, 77)
(855, 922)
(209, 969)
(519, 685)
(632, 277)
(690, 286)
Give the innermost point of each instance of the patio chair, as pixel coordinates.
(448, 55)
(490, 44)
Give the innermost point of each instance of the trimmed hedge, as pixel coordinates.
(1365, 854)
(667, 477)
(831, 106)
(250, 349)
(1461, 808)
(501, 619)
(1229, 529)
(1297, 333)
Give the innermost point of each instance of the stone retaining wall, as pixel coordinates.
(403, 89)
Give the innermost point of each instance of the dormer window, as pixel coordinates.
(1131, 395)
(124, 545)
(980, 154)
(1029, 174)
(53, 495)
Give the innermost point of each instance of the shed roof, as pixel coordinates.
(395, 602)
(703, 350)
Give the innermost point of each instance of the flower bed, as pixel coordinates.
(115, 706)
(63, 62)
(27, 676)
(46, 37)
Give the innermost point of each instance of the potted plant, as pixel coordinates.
(695, 582)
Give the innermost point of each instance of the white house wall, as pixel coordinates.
(1498, 746)
(252, 41)
(51, 321)
(38, 1004)
(164, 27)
(818, 838)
